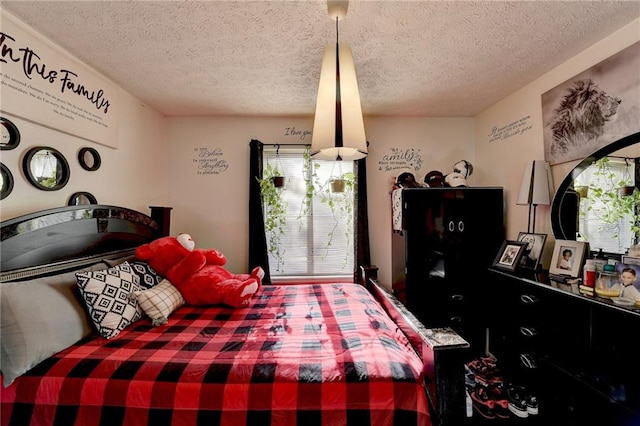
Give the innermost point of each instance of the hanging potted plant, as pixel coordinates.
(275, 219)
(626, 185)
(278, 177)
(338, 185)
(341, 203)
(583, 191)
(612, 208)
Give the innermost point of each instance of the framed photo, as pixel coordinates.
(631, 277)
(532, 253)
(630, 260)
(567, 258)
(509, 255)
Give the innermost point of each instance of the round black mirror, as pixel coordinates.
(6, 181)
(89, 159)
(46, 168)
(81, 198)
(565, 204)
(10, 134)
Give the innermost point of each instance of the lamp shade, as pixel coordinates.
(338, 127)
(537, 184)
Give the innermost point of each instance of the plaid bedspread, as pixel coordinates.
(306, 355)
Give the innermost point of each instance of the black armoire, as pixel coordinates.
(451, 237)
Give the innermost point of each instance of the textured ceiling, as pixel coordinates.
(262, 58)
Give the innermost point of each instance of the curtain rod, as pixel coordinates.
(286, 144)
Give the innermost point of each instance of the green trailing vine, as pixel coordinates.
(341, 205)
(614, 206)
(275, 220)
(311, 181)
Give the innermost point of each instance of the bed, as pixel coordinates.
(326, 354)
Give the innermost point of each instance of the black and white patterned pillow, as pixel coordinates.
(148, 276)
(110, 298)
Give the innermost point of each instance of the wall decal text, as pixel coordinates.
(45, 86)
(400, 159)
(209, 162)
(514, 128)
(292, 131)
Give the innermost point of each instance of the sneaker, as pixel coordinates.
(469, 403)
(532, 404)
(501, 402)
(482, 402)
(483, 365)
(517, 401)
(469, 378)
(485, 370)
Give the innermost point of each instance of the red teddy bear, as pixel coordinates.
(198, 274)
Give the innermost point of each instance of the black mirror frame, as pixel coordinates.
(14, 134)
(7, 181)
(62, 178)
(94, 154)
(73, 199)
(565, 197)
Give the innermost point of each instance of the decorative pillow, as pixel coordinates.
(148, 276)
(110, 298)
(39, 318)
(160, 301)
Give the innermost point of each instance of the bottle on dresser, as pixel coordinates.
(600, 260)
(589, 278)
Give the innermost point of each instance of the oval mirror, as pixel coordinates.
(6, 181)
(46, 168)
(565, 207)
(89, 159)
(81, 198)
(10, 134)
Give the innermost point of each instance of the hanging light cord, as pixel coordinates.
(338, 129)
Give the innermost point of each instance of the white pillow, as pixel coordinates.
(110, 298)
(39, 318)
(160, 301)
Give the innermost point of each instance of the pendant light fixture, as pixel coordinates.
(338, 127)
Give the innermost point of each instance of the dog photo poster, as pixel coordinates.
(593, 109)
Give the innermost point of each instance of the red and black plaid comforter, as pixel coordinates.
(322, 354)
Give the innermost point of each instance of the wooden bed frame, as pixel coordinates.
(66, 238)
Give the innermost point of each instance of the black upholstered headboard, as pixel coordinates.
(66, 237)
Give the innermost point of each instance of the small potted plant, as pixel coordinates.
(337, 185)
(582, 190)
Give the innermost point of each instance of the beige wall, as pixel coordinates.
(134, 175)
(157, 162)
(213, 208)
(512, 154)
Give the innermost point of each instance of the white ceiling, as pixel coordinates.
(262, 58)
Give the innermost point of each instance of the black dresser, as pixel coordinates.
(578, 354)
(451, 236)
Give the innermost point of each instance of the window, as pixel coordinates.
(318, 232)
(608, 215)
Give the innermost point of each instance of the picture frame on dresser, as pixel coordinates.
(568, 257)
(533, 252)
(630, 260)
(509, 255)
